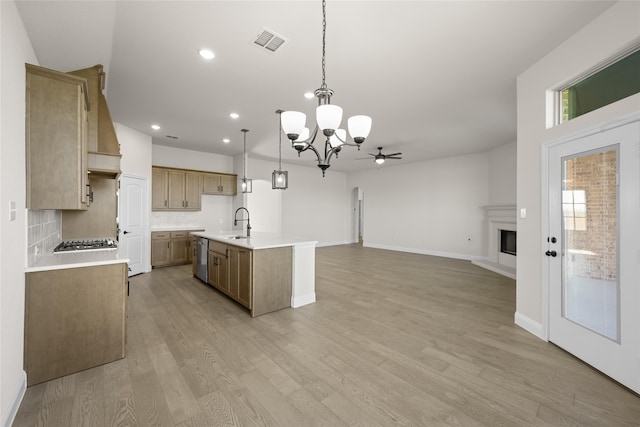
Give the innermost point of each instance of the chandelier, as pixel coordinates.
(328, 118)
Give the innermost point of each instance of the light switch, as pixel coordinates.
(12, 210)
(523, 213)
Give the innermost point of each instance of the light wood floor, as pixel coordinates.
(394, 339)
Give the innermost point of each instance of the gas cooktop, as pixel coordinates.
(86, 245)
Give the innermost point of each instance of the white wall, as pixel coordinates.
(315, 207)
(432, 207)
(135, 148)
(502, 174)
(15, 50)
(598, 41)
(264, 203)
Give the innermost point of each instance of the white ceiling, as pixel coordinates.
(437, 77)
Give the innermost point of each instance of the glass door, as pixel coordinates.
(593, 250)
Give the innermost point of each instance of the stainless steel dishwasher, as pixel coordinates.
(202, 255)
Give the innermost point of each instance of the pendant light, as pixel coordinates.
(279, 178)
(328, 118)
(246, 185)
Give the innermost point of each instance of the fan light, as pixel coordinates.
(328, 118)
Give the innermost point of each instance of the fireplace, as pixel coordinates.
(501, 240)
(508, 242)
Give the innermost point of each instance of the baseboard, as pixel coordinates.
(530, 325)
(496, 268)
(334, 243)
(16, 400)
(303, 300)
(423, 252)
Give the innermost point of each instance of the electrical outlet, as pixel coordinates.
(37, 250)
(523, 213)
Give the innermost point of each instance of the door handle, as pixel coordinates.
(551, 253)
(126, 232)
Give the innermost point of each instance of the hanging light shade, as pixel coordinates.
(246, 185)
(328, 118)
(280, 178)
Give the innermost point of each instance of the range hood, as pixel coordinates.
(104, 149)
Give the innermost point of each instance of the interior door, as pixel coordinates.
(593, 250)
(134, 219)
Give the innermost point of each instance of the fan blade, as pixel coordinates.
(394, 158)
(393, 154)
(362, 158)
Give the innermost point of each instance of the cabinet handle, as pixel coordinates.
(165, 203)
(168, 244)
(186, 204)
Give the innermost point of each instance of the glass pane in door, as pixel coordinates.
(590, 287)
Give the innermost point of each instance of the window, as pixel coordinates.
(606, 86)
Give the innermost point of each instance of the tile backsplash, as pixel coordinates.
(44, 228)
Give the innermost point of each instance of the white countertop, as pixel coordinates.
(176, 228)
(61, 261)
(258, 240)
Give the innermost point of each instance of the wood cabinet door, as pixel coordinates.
(240, 275)
(211, 183)
(160, 252)
(212, 267)
(193, 190)
(176, 189)
(228, 185)
(56, 140)
(159, 189)
(179, 249)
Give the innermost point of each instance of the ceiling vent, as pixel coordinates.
(269, 40)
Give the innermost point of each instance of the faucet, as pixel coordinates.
(235, 220)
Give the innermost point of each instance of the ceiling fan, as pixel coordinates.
(379, 158)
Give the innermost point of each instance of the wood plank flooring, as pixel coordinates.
(393, 339)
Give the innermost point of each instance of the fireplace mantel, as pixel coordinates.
(499, 217)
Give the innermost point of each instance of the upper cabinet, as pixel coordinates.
(217, 183)
(184, 190)
(56, 139)
(179, 189)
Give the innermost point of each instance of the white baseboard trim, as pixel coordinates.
(423, 251)
(9, 416)
(303, 300)
(334, 243)
(530, 325)
(496, 268)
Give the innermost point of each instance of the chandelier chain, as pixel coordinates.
(324, 35)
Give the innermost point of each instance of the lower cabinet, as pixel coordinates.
(75, 319)
(258, 279)
(240, 275)
(218, 267)
(171, 248)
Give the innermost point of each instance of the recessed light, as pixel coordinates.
(206, 53)
(155, 127)
(226, 140)
(234, 115)
(309, 95)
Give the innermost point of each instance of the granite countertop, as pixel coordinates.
(258, 240)
(91, 258)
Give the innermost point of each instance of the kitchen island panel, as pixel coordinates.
(272, 271)
(75, 319)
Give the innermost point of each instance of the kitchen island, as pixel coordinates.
(75, 312)
(264, 272)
